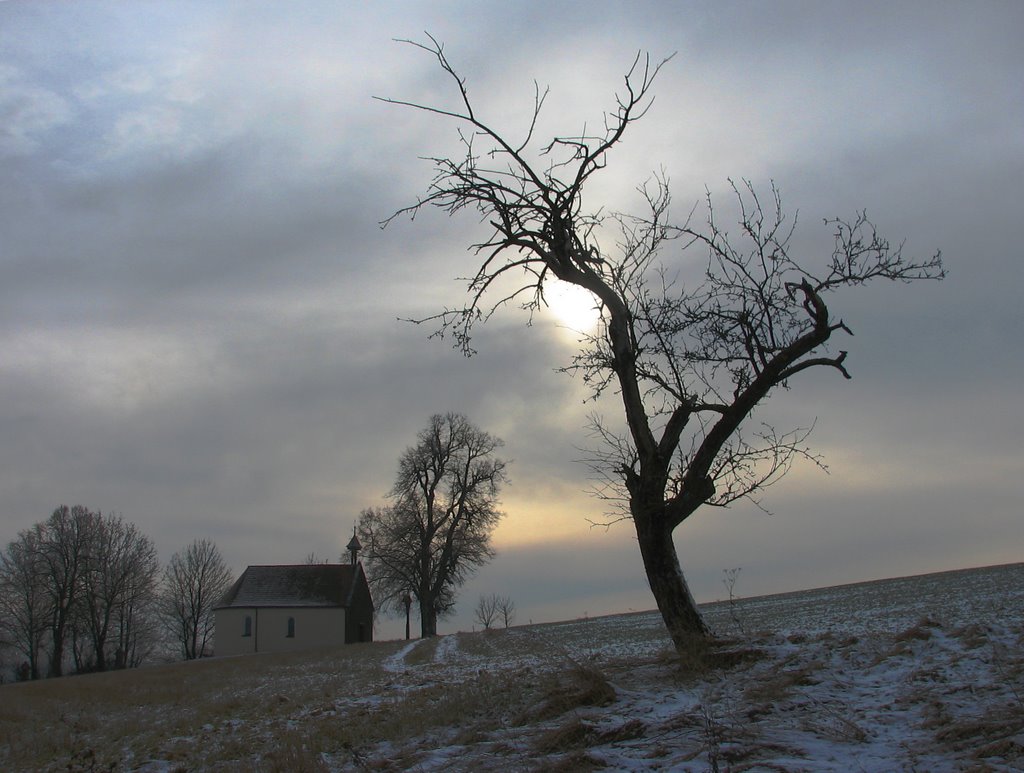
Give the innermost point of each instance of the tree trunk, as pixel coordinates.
(665, 576)
(100, 644)
(57, 653)
(192, 644)
(428, 620)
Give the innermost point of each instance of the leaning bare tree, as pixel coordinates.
(690, 362)
(437, 529)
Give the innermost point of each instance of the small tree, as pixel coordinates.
(195, 580)
(689, 361)
(486, 611)
(507, 610)
(437, 528)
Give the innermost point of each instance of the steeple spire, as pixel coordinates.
(354, 546)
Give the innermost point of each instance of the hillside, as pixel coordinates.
(922, 673)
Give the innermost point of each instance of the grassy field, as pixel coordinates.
(919, 673)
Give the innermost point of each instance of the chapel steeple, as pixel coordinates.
(353, 547)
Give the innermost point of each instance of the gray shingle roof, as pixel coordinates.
(301, 585)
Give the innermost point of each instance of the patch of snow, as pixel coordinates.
(446, 647)
(396, 663)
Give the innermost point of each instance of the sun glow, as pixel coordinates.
(573, 308)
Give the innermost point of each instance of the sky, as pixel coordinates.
(200, 313)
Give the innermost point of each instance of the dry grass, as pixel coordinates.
(292, 755)
(574, 736)
(579, 685)
(972, 635)
(88, 722)
(702, 657)
(277, 713)
(779, 685)
(834, 723)
(575, 762)
(922, 630)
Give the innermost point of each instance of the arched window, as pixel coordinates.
(247, 628)
(291, 627)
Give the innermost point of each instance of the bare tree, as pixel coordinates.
(62, 541)
(437, 528)
(506, 610)
(79, 579)
(135, 618)
(118, 580)
(690, 362)
(24, 601)
(195, 580)
(486, 611)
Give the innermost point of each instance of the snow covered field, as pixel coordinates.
(923, 673)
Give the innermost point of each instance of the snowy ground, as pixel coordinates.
(917, 674)
(912, 674)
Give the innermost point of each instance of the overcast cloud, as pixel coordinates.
(198, 310)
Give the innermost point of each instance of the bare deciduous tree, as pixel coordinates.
(62, 541)
(506, 610)
(690, 361)
(195, 580)
(118, 580)
(24, 601)
(437, 528)
(135, 619)
(486, 611)
(91, 578)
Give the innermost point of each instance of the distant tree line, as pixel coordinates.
(83, 591)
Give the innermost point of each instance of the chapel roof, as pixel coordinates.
(299, 585)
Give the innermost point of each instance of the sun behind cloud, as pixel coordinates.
(573, 308)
